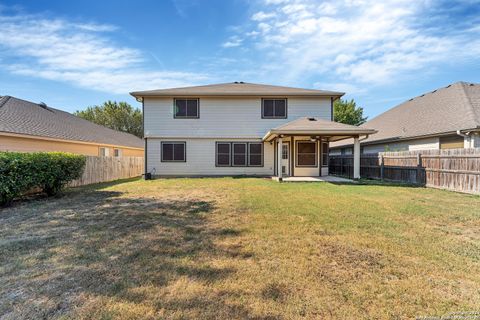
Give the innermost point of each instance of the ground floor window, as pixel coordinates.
(223, 154)
(103, 152)
(255, 154)
(174, 151)
(306, 154)
(239, 154)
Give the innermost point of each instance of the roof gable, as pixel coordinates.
(23, 117)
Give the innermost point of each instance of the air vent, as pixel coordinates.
(312, 119)
(43, 105)
(242, 82)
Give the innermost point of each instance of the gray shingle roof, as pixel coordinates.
(455, 107)
(237, 89)
(308, 125)
(28, 118)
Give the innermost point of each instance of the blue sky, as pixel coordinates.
(73, 54)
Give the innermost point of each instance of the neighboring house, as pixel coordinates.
(27, 127)
(240, 129)
(442, 119)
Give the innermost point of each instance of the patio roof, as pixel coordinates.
(315, 126)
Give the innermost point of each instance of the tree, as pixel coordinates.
(119, 116)
(347, 112)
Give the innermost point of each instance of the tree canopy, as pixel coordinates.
(119, 116)
(347, 112)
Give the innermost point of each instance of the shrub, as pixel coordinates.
(49, 171)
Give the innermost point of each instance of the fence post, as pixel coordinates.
(382, 167)
(419, 168)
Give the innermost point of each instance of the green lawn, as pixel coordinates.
(240, 249)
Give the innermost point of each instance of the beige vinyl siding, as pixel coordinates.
(411, 145)
(226, 117)
(200, 159)
(452, 142)
(21, 144)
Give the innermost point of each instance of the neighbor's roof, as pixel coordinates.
(236, 89)
(316, 126)
(27, 118)
(446, 110)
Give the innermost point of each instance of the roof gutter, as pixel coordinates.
(274, 133)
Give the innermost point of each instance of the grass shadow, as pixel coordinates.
(95, 243)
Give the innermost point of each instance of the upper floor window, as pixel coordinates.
(274, 108)
(186, 108)
(117, 152)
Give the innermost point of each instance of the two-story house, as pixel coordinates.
(241, 129)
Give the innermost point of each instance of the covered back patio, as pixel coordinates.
(301, 146)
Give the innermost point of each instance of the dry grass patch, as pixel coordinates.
(240, 249)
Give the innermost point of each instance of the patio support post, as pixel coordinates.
(279, 158)
(356, 158)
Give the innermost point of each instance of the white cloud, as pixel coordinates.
(81, 54)
(260, 16)
(358, 41)
(340, 87)
(233, 42)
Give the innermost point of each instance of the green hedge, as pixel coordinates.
(49, 171)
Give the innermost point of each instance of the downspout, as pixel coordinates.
(364, 138)
(360, 141)
(466, 135)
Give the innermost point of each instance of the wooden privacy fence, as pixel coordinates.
(452, 169)
(103, 169)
